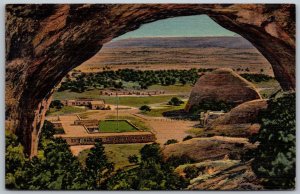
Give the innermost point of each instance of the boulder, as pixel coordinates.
(209, 148)
(241, 121)
(222, 85)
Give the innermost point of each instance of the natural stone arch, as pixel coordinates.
(44, 42)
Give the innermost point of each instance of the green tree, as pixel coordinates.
(151, 174)
(98, 167)
(275, 156)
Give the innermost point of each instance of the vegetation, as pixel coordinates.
(161, 110)
(56, 104)
(145, 108)
(151, 174)
(275, 156)
(187, 138)
(97, 166)
(175, 101)
(256, 77)
(115, 79)
(210, 104)
(171, 141)
(115, 126)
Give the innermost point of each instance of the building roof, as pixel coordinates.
(97, 102)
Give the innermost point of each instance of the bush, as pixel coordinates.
(275, 157)
(56, 104)
(175, 101)
(179, 160)
(133, 159)
(171, 141)
(256, 77)
(213, 105)
(187, 138)
(145, 108)
(191, 172)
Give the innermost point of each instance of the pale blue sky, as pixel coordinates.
(187, 26)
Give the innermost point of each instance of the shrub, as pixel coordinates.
(171, 141)
(145, 108)
(275, 156)
(191, 172)
(213, 105)
(187, 138)
(256, 77)
(175, 101)
(133, 159)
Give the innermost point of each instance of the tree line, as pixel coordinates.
(115, 79)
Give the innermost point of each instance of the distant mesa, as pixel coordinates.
(222, 85)
(234, 42)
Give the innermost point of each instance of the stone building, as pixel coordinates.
(87, 102)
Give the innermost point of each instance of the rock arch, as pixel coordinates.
(44, 42)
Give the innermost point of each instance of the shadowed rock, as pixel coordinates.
(241, 121)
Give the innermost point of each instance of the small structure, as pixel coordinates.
(97, 105)
(87, 102)
(206, 118)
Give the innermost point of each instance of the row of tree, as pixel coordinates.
(115, 79)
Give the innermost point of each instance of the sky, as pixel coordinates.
(187, 26)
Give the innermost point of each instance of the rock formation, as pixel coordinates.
(241, 121)
(209, 148)
(222, 85)
(44, 42)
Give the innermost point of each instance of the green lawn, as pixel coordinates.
(158, 112)
(134, 120)
(116, 153)
(115, 126)
(66, 110)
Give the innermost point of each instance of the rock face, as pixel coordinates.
(241, 121)
(222, 85)
(221, 175)
(209, 148)
(44, 42)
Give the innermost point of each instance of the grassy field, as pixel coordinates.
(134, 120)
(66, 110)
(134, 101)
(115, 126)
(178, 88)
(158, 112)
(116, 153)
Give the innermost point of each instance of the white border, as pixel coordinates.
(2, 79)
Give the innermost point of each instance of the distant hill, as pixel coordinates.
(182, 42)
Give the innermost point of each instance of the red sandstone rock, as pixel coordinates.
(222, 85)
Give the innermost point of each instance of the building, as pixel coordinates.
(97, 105)
(87, 102)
